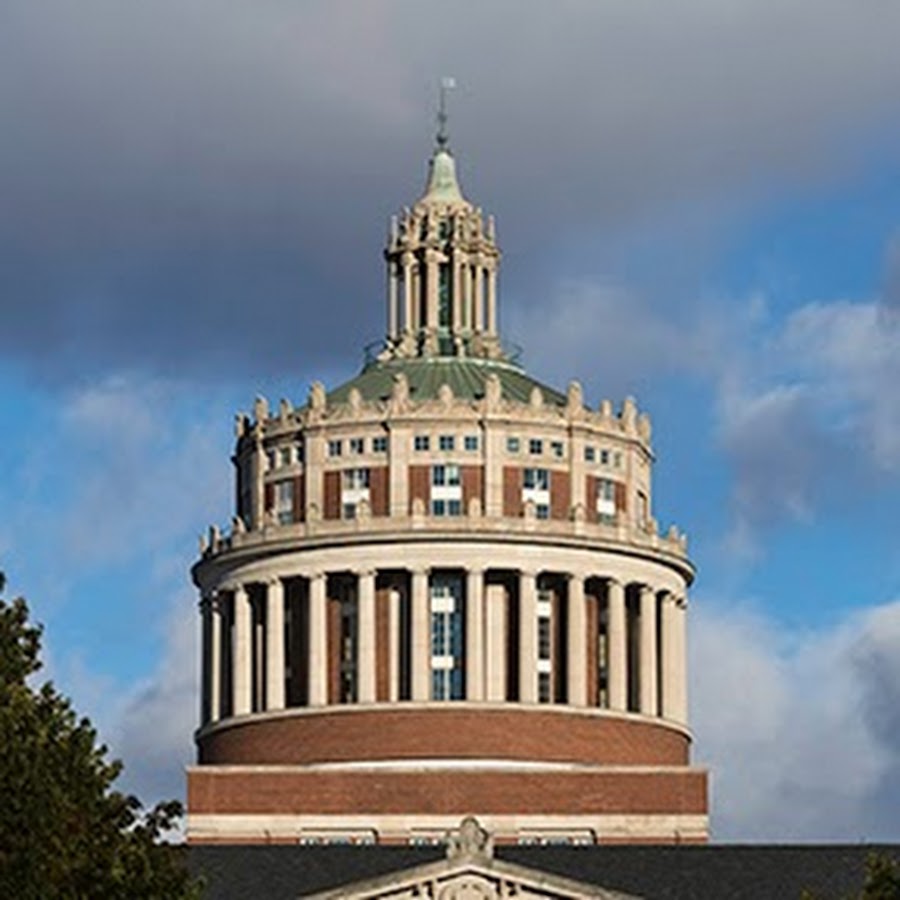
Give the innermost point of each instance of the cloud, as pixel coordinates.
(799, 728)
(185, 186)
(158, 715)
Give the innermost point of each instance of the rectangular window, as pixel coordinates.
(606, 500)
(470, 442)
(270, 460)
(617, 460)
(357, 445)
(588, 454)
(354, 489)
(557, 449)
(379, 445)
(285, 456)
(543, 687)
(421, 442)
(445, 475)
(512, 445)
(447, 638)
(535, 446)
(284, 502)
(446, 490)
(300, 453)
(446, 442)
(604, 457)
(542, 511)
(536, 479)
(334, 448)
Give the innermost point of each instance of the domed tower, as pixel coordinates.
(444, 592)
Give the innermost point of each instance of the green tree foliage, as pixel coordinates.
(64, 831)
(882, 880)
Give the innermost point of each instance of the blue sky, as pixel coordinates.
(700, 209)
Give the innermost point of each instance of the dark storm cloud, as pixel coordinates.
(203, 187)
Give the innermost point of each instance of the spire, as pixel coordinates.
(443, 186)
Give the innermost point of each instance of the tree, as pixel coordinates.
(64, 831)
(881, 881)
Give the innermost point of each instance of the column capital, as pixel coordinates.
(315, 575)
(273, 580)
(365, 572)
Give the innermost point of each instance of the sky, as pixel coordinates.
(697, 206)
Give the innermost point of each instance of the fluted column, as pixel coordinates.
(648, 653)
(618, 657)
(475, 634)
(366, 637)
(528, 637)
(667, 656)
(420, 655)
(242, 652)
(478, 294)
(577, 655)
(318, 640)
(275, 644)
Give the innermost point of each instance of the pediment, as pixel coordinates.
(470, 873)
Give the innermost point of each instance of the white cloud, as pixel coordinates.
(799, 728)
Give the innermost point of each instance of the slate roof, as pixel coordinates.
(466, 377)
(711, 872)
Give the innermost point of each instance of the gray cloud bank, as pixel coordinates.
(184, 183)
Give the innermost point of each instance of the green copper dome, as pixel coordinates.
(466, 378)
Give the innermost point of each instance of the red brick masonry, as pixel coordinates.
(445, 792)
(445, 733)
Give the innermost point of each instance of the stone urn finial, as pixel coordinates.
(469, 841)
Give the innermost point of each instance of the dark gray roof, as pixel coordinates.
(712, 872)
(466, 377)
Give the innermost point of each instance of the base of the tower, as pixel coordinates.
(419, 803)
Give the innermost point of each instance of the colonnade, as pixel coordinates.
(616, 644)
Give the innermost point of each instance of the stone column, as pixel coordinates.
(492, 300)
(393, 645)
(392, 298)
(495, 643)
(431, 288)
(456, 292)
(242, 652)
(318, 640)
(366, 643)
(275, 644)
(215, 659)
(618, 657)
(205, 658)
(528, 637)
(577, 651)
(680, 699)
(408, 318)
(475, 634)
(420, 655)
(667, 656)
(649, 653)
(478, 294)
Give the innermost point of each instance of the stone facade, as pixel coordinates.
(443, 592)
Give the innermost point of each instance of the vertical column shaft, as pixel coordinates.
(618, 672)
(478, 296)
(492, 300)
(528, 637)
(215, 660)
(242, 652)
(318, 640)
(495, 642)
(408, 318)
(392, 299)
(680, 701)
(475, 635)
(648, 653)
(577, 687)
(275, 644)
(668, 657)
(421, 637)
(366, 637)
(393, 645)
(206, 675)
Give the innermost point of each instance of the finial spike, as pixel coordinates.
(447, 84)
